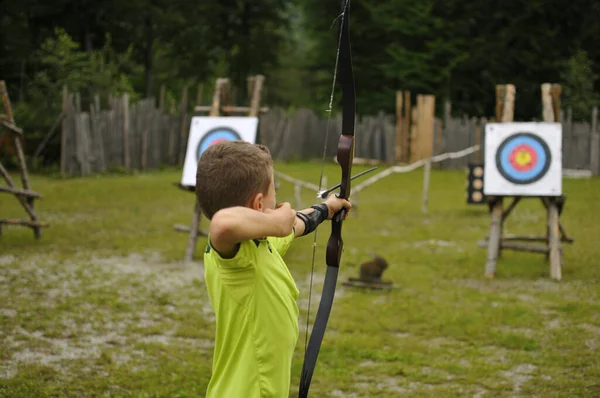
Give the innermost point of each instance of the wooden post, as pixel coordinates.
(225, 96)
(438, 130)
(399, 125)
(595, 153)
(193, 236)
(547, 103)
(126, 158)
(426, 125)
(255, 102)
(555, 92)
(447, 119)
(595, 144)
(171, 149)
(508, 109)
(505, 97)
(147, 111)
(500, 89)
(420, 133)
(406, 127)
(414, 139)
(250, 87)
(426, 176)
(63, 136)
(554, 241)
(495, 237)
(216, 101)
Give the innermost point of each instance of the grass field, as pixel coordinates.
(104, 306)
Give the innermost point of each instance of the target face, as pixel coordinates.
(206, 131)
(523, 158)
(215, 136)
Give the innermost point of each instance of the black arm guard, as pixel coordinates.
(312, 220)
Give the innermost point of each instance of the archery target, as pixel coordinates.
(214, 136)
(206, 131)
(523, 159)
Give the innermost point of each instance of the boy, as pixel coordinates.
(250, 287)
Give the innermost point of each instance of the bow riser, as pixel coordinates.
(335, 245)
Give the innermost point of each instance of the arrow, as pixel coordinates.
(323, 194)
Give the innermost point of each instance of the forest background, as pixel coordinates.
(455, 50)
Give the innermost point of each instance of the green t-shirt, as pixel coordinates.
(254, 298)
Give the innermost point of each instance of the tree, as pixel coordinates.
(578, 80)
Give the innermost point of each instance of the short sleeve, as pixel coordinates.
(282, 244)
(244, 258)
(237, 274)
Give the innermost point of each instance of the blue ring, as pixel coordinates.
(215, 134)
(544, 158)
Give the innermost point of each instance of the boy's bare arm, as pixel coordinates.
(233, 225)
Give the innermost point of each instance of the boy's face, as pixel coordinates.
(269, 200)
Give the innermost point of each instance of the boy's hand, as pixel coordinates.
(335, 204)
(286, 216)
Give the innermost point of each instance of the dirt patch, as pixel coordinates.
(84, 325)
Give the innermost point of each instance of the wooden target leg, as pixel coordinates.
(193, 237)
(547, 255)
(554, 242)
(495, 237)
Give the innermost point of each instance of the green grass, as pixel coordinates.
(104, 306)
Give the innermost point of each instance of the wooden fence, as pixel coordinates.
(302, 135)
(140, 136)
(124, 137)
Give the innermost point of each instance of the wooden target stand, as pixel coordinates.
(24, 195)
(555, 233)
(220, 107)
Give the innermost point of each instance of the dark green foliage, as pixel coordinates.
(579, 79)
(453, 49)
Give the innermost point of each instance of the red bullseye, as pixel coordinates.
(523, 158)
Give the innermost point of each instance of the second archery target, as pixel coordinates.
(523, 159)
(206, 131)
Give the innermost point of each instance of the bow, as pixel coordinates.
(335, 245)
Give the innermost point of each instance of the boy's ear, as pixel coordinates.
(257, 202)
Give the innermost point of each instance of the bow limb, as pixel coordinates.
(335, 245)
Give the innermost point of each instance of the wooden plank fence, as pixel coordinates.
(302, 135)
(124, 137)
(141, 136)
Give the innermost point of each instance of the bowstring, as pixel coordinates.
(329, 111)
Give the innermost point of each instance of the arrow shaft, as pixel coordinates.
(323, 194)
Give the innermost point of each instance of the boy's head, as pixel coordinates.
(235, 173)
